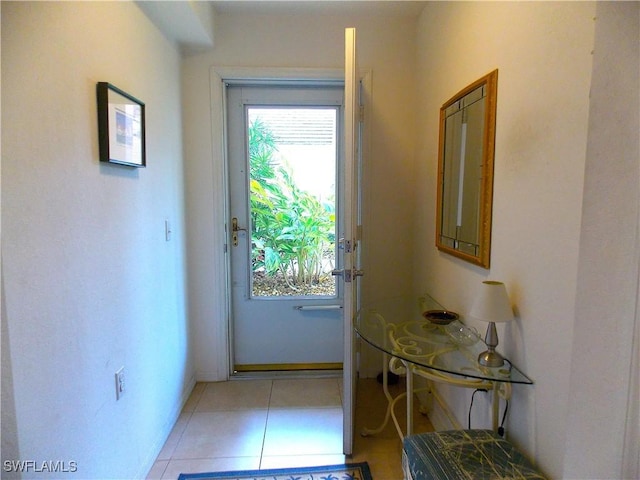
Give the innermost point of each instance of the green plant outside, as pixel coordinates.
(291, 229)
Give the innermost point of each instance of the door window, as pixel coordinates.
(292, 191)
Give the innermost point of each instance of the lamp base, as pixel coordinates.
(490, 358)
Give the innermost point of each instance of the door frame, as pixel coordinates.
(307, 328)
(219, 368)
(219, 76)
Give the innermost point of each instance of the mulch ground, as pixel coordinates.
(273, 286)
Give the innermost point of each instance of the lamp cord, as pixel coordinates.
(506, 408)
(510, 364)
(504, 414)
(471, 404)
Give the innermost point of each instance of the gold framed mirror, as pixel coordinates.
(465, 171)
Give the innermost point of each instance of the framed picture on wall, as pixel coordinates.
(120, 127)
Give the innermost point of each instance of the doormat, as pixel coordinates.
(353, 471)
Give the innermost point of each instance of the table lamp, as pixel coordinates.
(491, 305)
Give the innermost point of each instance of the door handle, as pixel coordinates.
(234, 231)
(347, 274)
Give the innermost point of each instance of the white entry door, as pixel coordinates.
(285, 164)
(353, 269)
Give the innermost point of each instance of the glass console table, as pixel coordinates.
(440, 350)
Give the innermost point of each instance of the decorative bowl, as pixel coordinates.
(440, 317)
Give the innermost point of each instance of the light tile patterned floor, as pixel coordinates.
(251, 424)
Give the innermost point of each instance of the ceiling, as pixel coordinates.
(327, 7)
(190, 23)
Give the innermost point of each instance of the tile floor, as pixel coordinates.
(261, 423)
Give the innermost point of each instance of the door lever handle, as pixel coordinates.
(235, 227)
(234, 231)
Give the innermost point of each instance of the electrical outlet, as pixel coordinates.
(119, 383)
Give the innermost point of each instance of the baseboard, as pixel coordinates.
(154, 451)
(211, 376)
(438, 418)
(436, 413)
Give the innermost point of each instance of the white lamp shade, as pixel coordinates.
(492, 303)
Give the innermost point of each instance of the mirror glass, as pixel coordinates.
(465, 171)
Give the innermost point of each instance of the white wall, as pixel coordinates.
(603, 398)
(544, 55)
(314, 41)
(89, 282)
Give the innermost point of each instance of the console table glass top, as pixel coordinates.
(397, 327)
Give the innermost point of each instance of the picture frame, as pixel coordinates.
(121, 126)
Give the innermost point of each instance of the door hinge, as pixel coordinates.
(361, 114)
